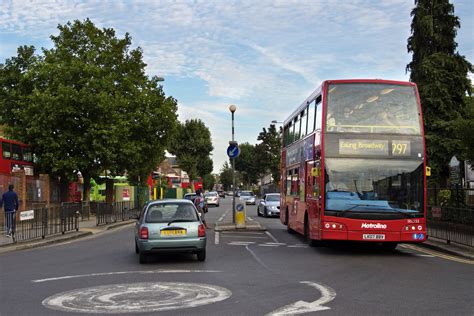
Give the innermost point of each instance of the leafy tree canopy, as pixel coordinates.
(442, 78)
(192, 146)
(86, 104)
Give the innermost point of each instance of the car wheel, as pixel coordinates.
(201, 255)
(142, 258)
(136, 248)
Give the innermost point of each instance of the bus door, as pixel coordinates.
(313, 194)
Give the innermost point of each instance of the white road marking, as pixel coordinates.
(271, 236)
(298, 246)
(122, 272)
(216, 238)
(240, 236)
(240, 233)
(267, 245)
(276, 243)
(301, 307)
(257, 258)
(241, 243)
(136, 297)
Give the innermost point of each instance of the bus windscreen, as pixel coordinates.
(374, 186)
(372, 108)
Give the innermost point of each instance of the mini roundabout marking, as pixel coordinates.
(137, 297)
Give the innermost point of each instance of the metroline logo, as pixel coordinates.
(377, 226)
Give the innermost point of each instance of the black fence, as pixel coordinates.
(450, 215)
(107, 213)
(41, 222)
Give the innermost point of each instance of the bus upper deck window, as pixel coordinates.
(6, 150)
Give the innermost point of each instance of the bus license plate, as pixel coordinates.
(373, 236)
(173, 232)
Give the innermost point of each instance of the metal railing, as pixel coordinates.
(41, 222)
(107, 213)
(451, 223)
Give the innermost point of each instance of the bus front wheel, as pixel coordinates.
(311, 242)
(389, 246)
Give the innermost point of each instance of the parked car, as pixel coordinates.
(212, 198)
(190, 196)
(170, 225)
(269, 205)
(248, 197)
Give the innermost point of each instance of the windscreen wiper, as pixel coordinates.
(180, 220)
(340, 214)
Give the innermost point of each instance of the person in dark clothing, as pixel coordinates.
(10, 203)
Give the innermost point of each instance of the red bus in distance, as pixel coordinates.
(353, 164)
(15, 156)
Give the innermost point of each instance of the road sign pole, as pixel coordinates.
(233, 174)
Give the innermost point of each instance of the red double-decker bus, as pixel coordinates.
(15, 156)
(353, 164)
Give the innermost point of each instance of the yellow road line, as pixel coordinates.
(438, 254)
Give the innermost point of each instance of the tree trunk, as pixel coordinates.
(64, 189)
(86, 187)
(109, 190)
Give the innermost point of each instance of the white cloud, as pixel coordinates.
(264, 56)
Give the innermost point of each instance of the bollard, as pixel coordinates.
(240, 213)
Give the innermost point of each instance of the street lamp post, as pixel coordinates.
(232, 109)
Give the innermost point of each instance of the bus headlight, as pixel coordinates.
(334, 226)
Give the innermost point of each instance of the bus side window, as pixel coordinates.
(319, 113)
(6, 150)
(288, 182)
(295, 183)
(16, 152)
(311, 117)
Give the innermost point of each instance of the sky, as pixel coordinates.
(265, 57)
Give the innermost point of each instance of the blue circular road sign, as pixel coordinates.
(233, 151)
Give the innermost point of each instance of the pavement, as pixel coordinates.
(89, 227)
(86, 228)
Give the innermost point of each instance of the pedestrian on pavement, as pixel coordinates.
(200, 205)
(10, 203)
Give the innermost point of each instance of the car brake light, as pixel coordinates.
(201, 231)
(144, 233)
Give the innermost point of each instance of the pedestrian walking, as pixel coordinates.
(10, 203)
(200, 205)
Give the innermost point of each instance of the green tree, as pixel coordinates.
(192, 147)
(208, 181)
(226, 176)
(269, 151)
(247, 165)
(442, 78)
(462, 125)
(86, 105)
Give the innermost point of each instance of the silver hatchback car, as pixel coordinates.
(170, 225)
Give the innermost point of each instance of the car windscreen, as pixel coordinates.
(273, 198)
(246, 194)
(166, 212)
(210, 194)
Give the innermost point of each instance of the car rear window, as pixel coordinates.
(166, 212)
